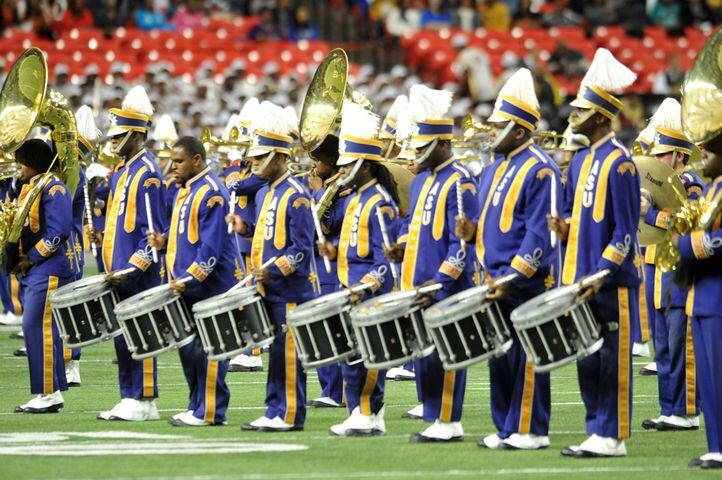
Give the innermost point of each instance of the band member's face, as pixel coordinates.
(412, 167)
(346, 170)
(582, 120)
(184, 165)
(261, 168)
(124, 150)
(509, 142)
(322, 170)
(26, 173)
(672, 159)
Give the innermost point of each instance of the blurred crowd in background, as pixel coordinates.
(371, 30)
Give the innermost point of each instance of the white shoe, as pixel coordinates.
(187, 419)
(640, 349)
(715, 456)
(415, 413)
(678, 422)
(72, 373)
(439, 432)
(277, 424)
(42, 404)
(132, 410)
(400, 373)
(258, 424)
(356, 425)
(379, 423)
(492, 441)
(649, 369)
(325, 402)
(518, 441)
(11, 319)
(596, 446)
(177, 415)
(151, 410)
(246, 363)
(107, 413)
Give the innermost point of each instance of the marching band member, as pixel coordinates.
(673, 349)
(245, 184)
(599, 224)
(359, 253)
(284, 230)
(323, 174)
(516, 194)
(704, 249)
(201, 205)
(125, 243)
(10, 285)
(429, 249)
(43, 265)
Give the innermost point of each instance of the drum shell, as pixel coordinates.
(152, 331)
(85, 316)
(393, 341)
(465, 340)
(323, 334)
(230, 331)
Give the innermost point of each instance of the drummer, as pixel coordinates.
(323, 174)
(673, 352)
(125, 243)
(359, 253)
(429, 249)
(516, 192)
(284, 231)
(206, 259)
(43, 267)
(239, 178)
(599, 223)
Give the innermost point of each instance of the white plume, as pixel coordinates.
(165, 130)
(232, 122)
(404, 126)
(668, 115)
(86, 124)
(247, 110)
(520, 86)
(608, 73)
(269, 117)
(356, 121)
(291, 116)
(401, 103)
(647, 133)
(137, 101)
(429, 104)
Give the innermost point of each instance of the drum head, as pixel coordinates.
(79, 291)
(456, 307)
(545, 307)
(384, 307)
(226, 301)
(144, 302)
(319, 308)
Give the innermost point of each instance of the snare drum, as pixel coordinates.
(555, 330)
(390, 330)
(232, 322)
(321, 330)
(467, 328)
(155, 321)
(83, 311)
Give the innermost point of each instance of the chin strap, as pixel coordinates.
(584, 117)
(432, 147)
(117, 149)
(349, 178)
(502, 136)
(265, 164)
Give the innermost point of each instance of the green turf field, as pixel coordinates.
(226, 452)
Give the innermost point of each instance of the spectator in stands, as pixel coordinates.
(670, 81)
(667, 14)
(466, 17)
(598, 13)
(190, 15)
(473, 70)
(715, 7)
(266, 29)
(545, 92)
(560, 15)
(696, 13)
(567, 62)
(110, 14)
(285, 15)
(77, 15)
(405, 18)
(10, 15)
(41, 14)
(495, 15)
(302, 28)
(435, 16)
(148, 17)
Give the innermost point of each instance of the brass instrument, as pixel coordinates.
(663, 188)
(321, 116)
(8, 168)
(550, 140)
(234, 139)
(25, 101)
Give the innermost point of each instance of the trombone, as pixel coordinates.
(234, 139)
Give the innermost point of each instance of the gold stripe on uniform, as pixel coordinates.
(690, 387)
(447, 398)
(527, 399)
(290, 373)
(211, 377)
(369, 385)
(624, 364)
(148, 378)
(48, 338)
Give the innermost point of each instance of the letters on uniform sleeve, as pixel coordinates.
(300, 241)
(57, 208)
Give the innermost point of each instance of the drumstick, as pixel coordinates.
(554, 211)
(250, 275)
(460, 208)
(420, 291)
(232, 210)
(387, 243)
(150, 224)
(320, 235)
(120, 273)
(89, 215)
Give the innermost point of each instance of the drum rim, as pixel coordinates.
(528, 314)
(497, 352)
(174, 346)
(361, 317)
(100, 339)
(68, 295)
(127, 309)
(435, 317)
(225, 302)
(312, 313)
(332, 360)
(230, 354)
(585, 352)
